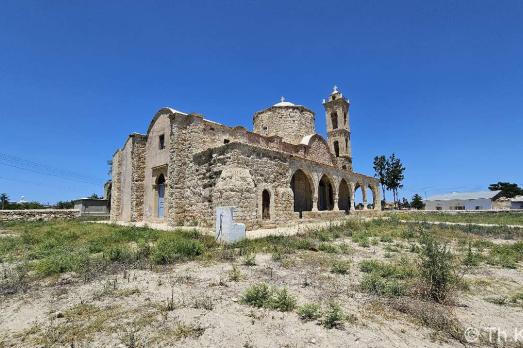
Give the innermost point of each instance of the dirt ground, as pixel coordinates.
(197, 304)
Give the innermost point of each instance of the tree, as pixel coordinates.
(380, 166)
(394, 175)
(508, 190)
(64, 205)
(4, 199)
(417, 202)
(94, 196)
(404, 203)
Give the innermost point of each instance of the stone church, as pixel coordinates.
(283, 171)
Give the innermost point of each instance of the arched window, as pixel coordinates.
(266, 205)
(337, 148)
(334, 120)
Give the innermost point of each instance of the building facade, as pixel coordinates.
(185, 166)
(483, 200)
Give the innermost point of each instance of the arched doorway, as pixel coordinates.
(302, 189)
(344, 196)
(160, 189)
(266, 205)
(325, 194)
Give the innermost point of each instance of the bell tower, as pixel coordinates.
(338, 128)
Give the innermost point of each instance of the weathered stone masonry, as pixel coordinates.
(279, 173)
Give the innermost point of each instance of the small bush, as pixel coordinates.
(249, 260)
(471, 258)
(262, 295)
(333, 316)
(377, 285)
(258, 295)
(328, 248)
(340, 267)
(309, 312)
(118, 253)
(369, 266)
(235, 275)
(436, 269)
(282, 300)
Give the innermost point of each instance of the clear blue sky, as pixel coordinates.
(439, 83)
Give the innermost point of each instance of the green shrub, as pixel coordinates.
(369, 266)
(171, 248)
(281, 300)
(258, 295)
(235, 274)
(340, 267)
(118, 253)
(436, 269)
(333, 316)
(61, 262)
(262, 295)
(309, 312)
(471, 258)
(387, 238)
(249, 260)
(377, 285)
(328, 248)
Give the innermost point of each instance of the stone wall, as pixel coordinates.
(291, 123)
(138, 177)
(116, 188)
(38, 214)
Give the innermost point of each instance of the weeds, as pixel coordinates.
(340, 267)
(310, 312)
(333, 316)
(249, 260)
(235, 275)
(262, 295)
(436, 269)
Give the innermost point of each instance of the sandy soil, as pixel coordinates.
(130, 307)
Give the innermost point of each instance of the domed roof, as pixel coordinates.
(284, 103)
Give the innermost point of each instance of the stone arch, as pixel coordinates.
(266, 195)
(344, 196)
(359, 196)
(302, 188)
(325, 193)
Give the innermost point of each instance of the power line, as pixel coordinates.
(43, 169)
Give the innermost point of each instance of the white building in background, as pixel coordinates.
(484, 200)
(516, 202)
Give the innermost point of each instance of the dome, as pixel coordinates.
(284, 103)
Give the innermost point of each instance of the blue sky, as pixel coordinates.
(439, 83)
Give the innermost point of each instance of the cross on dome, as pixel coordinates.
(282, 99)
(335, 89)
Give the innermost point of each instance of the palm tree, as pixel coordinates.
(4, 198)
